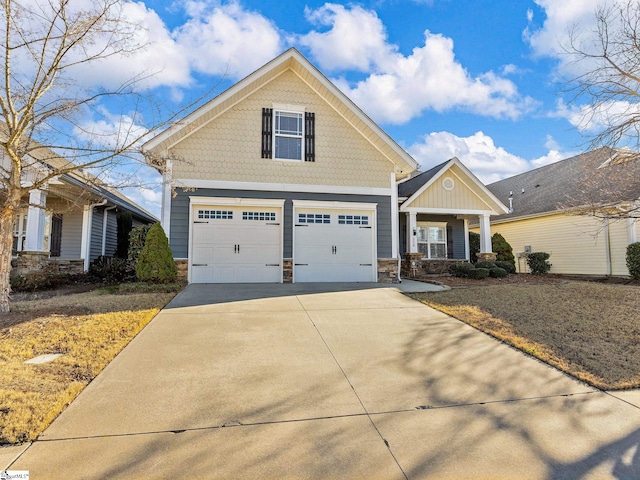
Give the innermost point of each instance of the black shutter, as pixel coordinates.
(267, 129)
(55, 240)
(449, 241)
(309, 137)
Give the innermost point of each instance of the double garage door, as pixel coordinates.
(244, 243)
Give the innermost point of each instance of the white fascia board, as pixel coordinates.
(230, 202)
(334, 205)
(448, 211)
(281, 187)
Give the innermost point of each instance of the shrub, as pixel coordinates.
(460, 269)
(488, 265)
(497, 272)
(156, 263)
(537, 262)
(111, 270)
(474, 246)
(633, 260)
(508, 266)
(502, 249)
(136, 243)
(479, 273)
(45, 279)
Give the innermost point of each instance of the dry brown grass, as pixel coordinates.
(589, 330)
(88, 328)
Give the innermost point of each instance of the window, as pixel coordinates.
(432, 240)
(353, 220)
(215, 215)
(260, 216)
(291, 134)
(314, 218)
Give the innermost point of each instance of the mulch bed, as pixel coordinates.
(516, 278)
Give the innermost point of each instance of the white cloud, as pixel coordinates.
(591, 119)
(357, 39)
(401, 87)
(108, 130)
(479, 153)
(225, 39)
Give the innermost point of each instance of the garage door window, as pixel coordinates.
(314, 218)
(353, 220)
(259, 216)
(215, 214)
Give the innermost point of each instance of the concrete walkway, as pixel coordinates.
(331, 381)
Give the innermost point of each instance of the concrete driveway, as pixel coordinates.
(341, 381)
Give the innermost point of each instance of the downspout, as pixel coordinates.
(607, 246)
(105, 218)
(87, 252)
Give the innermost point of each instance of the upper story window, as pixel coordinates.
(288, 134)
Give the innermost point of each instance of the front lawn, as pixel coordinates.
(88, 328)
(589, 330)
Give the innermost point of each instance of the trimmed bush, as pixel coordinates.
(474, 246)
(136, 243)
(111, 270)
(497, 272)
(45, 279)
(479, 273)
(508, 266)
(633, 260)
(460, 269)
(502, 249)
(488, 265)
(156, 264)
(538, 264)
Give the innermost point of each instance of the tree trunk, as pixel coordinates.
(7, 217)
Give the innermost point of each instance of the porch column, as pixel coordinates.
(412, 238)
(485, 233)
(467, 250)
(36, 221)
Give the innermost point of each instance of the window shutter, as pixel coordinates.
(267, 129)
(309, 137)
(449, 241)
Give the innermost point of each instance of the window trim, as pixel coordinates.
(307, 137)
(300, 137)
(442, 225)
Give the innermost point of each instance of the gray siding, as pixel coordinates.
(71, 235)
(179, 236)
(96, 234)
(112, 234)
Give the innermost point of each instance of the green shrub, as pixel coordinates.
(508, 266)
(137, 237)
(538, 264)
(488, 265)
(502, 249)
(633, 260)
(497, 272)
(111, 270)
(479, 273)
(460, 269)
(156, 263)
(474, 246)
(44, 279)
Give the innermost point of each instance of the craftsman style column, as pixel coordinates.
(412, 239)
(36, 221)
(485, 239)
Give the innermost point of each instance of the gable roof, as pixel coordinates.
(414, 187)
(591, 178)
(290, 60)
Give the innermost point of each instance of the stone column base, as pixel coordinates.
(388, 270)
(487, 257)
(287, 270)
(183, 269)
(28, 262)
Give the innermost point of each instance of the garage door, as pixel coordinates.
(334, 245)
(236, 244)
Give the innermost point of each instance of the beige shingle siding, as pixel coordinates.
(228, 148)
(462, 197)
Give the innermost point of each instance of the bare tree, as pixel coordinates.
(606, 94)
(44, 44)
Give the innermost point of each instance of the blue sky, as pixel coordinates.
(477, 80)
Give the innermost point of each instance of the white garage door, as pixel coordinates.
(334, 245)
(236, 244)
